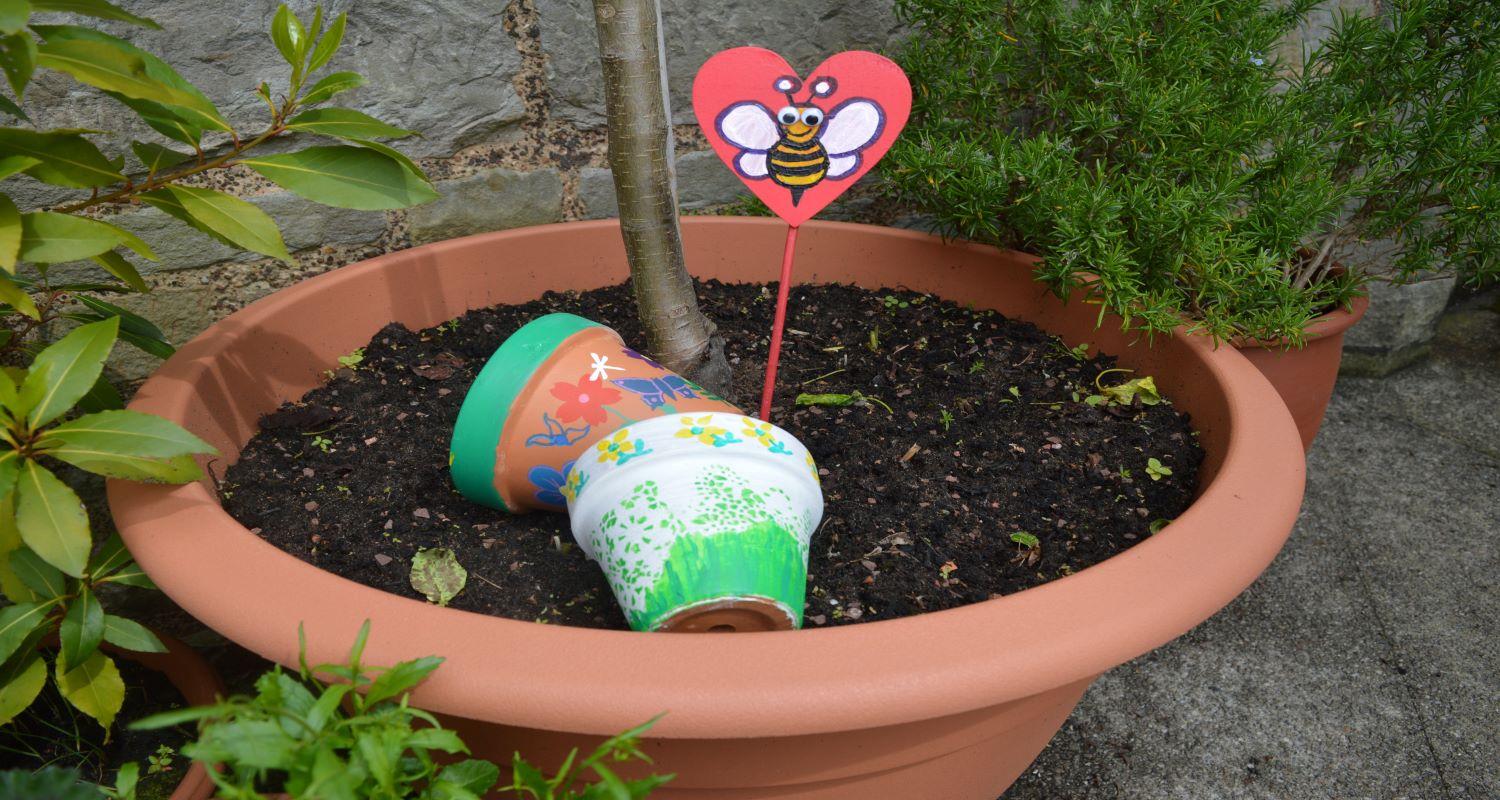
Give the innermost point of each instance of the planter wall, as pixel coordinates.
(1305, 377)
(946, 705)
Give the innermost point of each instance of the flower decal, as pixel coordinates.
(812, 467)
(551, 483)
(761, 432)
(619, 448)
(700, 429)
(575, 484)
(584, 400)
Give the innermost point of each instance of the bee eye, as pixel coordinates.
(787, 115)
(812, 116)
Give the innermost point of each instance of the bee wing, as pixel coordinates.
(752, 165)
(839, 166)
(851, 127)
(748, 126)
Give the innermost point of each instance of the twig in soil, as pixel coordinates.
(821, 377)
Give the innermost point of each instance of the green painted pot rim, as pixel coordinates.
(481, 418)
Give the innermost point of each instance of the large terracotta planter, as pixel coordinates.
(952, 704)
(1304, 377)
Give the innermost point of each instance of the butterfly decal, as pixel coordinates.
(557, 435)
(655, 392)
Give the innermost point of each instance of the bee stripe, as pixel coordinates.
(799, 180)
(800, 167)
(801, 151)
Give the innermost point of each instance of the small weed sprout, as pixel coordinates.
(1156, 469)
(892, 303)
(161, 761)
(977, 366)
(322, 443)
(946, 418)
(1030, 548)
(353, 360)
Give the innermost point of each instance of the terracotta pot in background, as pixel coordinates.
(199, 685)
(550, 391)
(1304, 377)
(944, 706)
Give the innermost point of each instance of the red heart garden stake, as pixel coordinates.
(798, 143)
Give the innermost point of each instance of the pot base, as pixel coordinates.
(735, 615)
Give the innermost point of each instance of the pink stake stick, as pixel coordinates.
(782, 291)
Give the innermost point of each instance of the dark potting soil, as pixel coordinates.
(53, 733)
(975, 430)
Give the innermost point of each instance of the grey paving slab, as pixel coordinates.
(1365, 663)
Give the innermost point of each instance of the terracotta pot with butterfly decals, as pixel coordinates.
(555, 387)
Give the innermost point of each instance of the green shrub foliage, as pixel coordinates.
(1161, 157)
(358, 738)
(57, 410)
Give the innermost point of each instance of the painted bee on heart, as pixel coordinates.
(801, 145)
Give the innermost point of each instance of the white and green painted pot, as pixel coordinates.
(701, 521)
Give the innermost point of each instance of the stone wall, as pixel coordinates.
(506, 95)
(508, 99)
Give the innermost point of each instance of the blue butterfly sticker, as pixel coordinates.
(556, 435)
(657, 391)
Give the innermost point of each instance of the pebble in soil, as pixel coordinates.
(976, 430)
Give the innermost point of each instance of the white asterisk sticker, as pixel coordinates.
(600, 367)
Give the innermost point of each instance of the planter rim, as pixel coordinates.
(750, 684)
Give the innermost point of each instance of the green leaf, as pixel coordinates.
(134, 328)
(175, 717)
(11, 585)
(126, 779)
(17, 622)
(116, 265)
(473, 775)
(122, 433)
(10, 470)
(183, 123)
(67, 369)
(104, 65)
(289, 37)
(94, 687)
(52, 519)
(440, 739)
(17, 695)
(345, 123)
(18, 298)
(109, 557)
(248, 744)
(10, 234)
(155, 158)
(82, 629)
(401, 678)
(48, 237)
(131, 575)
(43, 578)
(131, 635)
(345, 177)
(98, 9)
(18, 60)
(229, 218)
(11, 164)
(102, 396)
(9, 106)
(436, 573)
(13, 15)
(330, 85)
(328, 44)
(393, 153)
(65, 158)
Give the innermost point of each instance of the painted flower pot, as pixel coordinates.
(701, 522)
(550, 391)
(1304, 376)
(945, 706)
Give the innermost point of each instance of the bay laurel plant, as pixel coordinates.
(1162, 157)
(57, 411)
(359, 738)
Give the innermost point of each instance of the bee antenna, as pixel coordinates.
(824, 86)
(787, 85)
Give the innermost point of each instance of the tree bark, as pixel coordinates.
(640, 156)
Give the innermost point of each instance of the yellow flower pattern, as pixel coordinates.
(700, 429)
(619, 448)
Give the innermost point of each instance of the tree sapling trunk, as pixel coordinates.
(640, 155)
